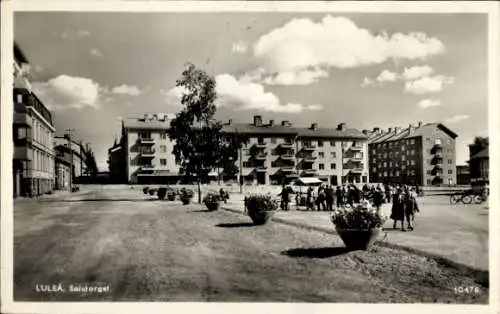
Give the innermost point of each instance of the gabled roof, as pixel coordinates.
(482, 154)
(131, 123)
(415, 132)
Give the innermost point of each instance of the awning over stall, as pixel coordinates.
(308, 181)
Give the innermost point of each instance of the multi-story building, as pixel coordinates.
(117, 162)
(62, 168)
(277, 153)
(422, 154)
(148, 150)
(33, 134)
(479, 162)
(79, 158)
(463, 175)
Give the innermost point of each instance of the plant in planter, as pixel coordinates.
(359, 226)
(162, 192)
(171, 194)
(212, 201)
(152, 191)
(186, 195)
(145, 190)
(260, 208)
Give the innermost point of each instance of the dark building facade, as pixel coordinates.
(422, 154)
(463, 175)
(479, 162)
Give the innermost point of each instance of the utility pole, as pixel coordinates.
(69, 138)
(81, 161)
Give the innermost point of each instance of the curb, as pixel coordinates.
(482, 276)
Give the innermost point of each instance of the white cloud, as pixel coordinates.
(239, 47)
(337, 42)
(66, 91)
(126, 90)
(301, 77)
(457, 118)
(366, 82)
(38, 69)
(94, 52)
(417, 72)
(173, 96)
(387, 76)
(428, 84)
(255, 75)
(314, 107)
(426, 103)
(83, 33)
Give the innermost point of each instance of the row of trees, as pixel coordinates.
(200, 146)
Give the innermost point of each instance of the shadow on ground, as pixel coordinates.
(235, 225)
(101, 200)
(321, 252)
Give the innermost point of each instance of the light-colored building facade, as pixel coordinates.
(148, 150)
(79, 163)
(422, 154)
(278, 153)
(33, 135)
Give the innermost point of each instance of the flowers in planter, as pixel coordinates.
(162, 192)
(152, 191)
(145, 190)
(211, 198)
(361, 216)
(261, 203)
(186, 195)
(171, 194)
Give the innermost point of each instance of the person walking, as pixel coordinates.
(378, 198)
(285, 197)
(329, 197)
(320, 201)
(339, 196)
(309, 199)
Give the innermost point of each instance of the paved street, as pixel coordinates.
(151, 250)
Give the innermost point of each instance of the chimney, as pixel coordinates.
(230, 121)
(376, 130)
(155, 116)
(365, 132)
(389, 130)
(411, 128)
(397, 129)
(271, 122)
(341, 126)
(285, 123)
(314, 126)
(419, 124)
(257, 120)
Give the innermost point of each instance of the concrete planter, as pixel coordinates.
(213, 206)
(260, 217)
(359, 239)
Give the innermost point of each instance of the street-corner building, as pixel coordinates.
(422, 154)
(479, 163)
(279, 153)
(148, 150)
(33, 135)
(62, 168)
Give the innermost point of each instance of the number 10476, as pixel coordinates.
(467, 290)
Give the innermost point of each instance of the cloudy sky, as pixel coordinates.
(386, 70)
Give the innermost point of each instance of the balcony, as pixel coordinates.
(147, 153)
(287, 156)
(287, 145)
(147, 167)
(356, 170)
(438, 155)
(438, 145)
(354, 159)
(146, 140)
(309, 171)
(261, 168)
(309, 147)
(287, 169)
(260, 156)
(438, 166)
(310, 158)
(356, 148)
(260, 145)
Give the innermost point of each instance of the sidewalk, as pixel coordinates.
(458, 238)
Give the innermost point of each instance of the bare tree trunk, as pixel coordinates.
(218, 174)
(199, 189)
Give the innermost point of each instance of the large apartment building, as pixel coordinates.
(278, 153)
(422, 154)
(479, 162)
(33, 135)
(148, 150)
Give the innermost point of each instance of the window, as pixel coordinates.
(413, 162)
(321, 166)
(333, 166)
(413, 172)
(397, 173)
(385, 164)
(19, 98)
(449, 142)
(413, 152)
(403, 167)
(403, 157)
(332, 143)
(260, 140)
(333, 154)
(438, 141)
(390, 154)
(427, 140)
(163, 135)
(163, 148)
(374, 160)
(385, 173)
(429, 172)
(321, 155)
(246, 164)
(408, 153)
(429, 181)
(397, 154)
(402, 148)
(273, 140)
(320, 143)
(450, 161)
(412, 141)
(390, 144)
(390, 164)
(450, 171)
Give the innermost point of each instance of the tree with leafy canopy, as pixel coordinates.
(193, 130)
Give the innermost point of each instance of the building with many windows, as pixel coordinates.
(479, 161)
(274, 153)
(422, 154)
(278, 153)
(147, 150)
(33, 136)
